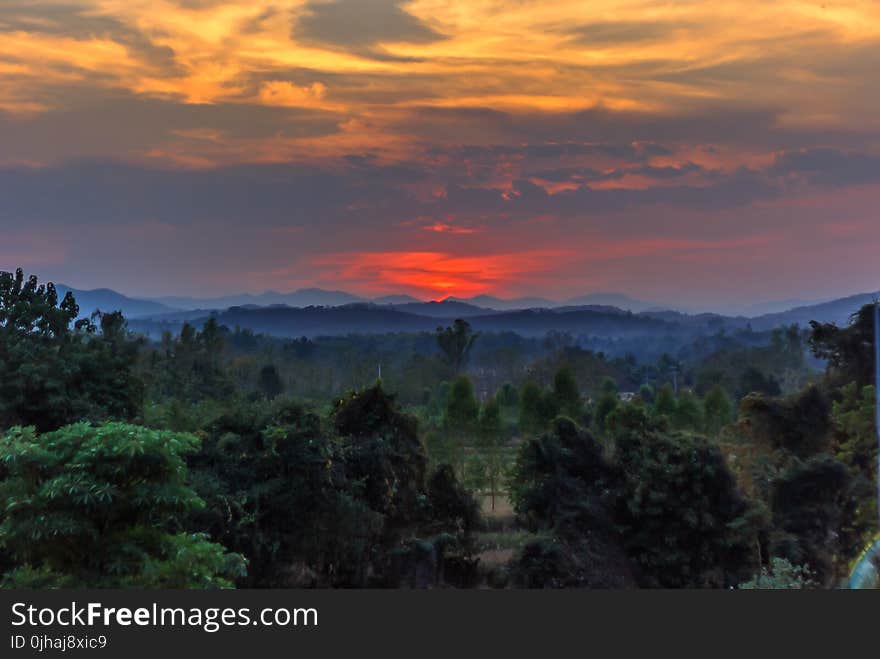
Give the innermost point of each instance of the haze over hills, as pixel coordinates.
(396, 299)
(778, 306)
(373, 319)
(835, 311)
(304, 297)
(447, 308)
(285, 313)
(320, 297)
(618, 300)
(105, 299)
(500, 304)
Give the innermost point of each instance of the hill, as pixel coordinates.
(106, 300)
(836, 311)
(304, 297)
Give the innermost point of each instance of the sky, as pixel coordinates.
(697, 152)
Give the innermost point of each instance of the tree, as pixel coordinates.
(530, 421)
(455, 343)
(560, 477)
(191, 366)
(277, 491)
(812, 503)
(55, 369)
(677, 507)
(102, 506)
(718, 409)
(566, 394)
(491, 445)
(793, 458)
(462, 412)
(270, 382)
(386, 467)
(688, 413)
(849, 351)
(664, 402)
(753, 380)
(537, 408)
(855, 437)
(563, 488)
(781, 575)
(606, 404)
(508, 395)
(383, 451)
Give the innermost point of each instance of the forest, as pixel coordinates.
(215, 456)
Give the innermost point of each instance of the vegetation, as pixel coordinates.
(217, 457)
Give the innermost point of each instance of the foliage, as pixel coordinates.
(717, 409)
(460, 420)
(567, 394)
(103, 506)
(270, 382)
(688, 414)
(560, 478)
(456, 342)
(677, 505)
(849, 351)
(54, 369)
(491, 447)
(781, 575)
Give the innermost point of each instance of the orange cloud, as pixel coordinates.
(445, 227)
(287, 94)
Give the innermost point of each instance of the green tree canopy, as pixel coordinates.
(455, 343)
(567, 395)
(104, 506)
(54, 369)
(718, 409)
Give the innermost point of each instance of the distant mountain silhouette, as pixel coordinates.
(836, 311)
(618, 300)
(106, 300)
(304, 297)
(501, 304)
(373, 319)
(444, 309)
(314, 311)
(396, 299)
(778, 306)
(319, 297)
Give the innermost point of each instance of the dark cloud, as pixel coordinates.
(667, 172)
(259, 195)
(829, 166)
(368, 168)
(75, 21)
(630, 134)
(614, 32)
(360, 25)
(617, 133)
(589, 175)
(624, 151)
(577, 175)
(740, 188)
(361, 190)
(95, 123)
(361, 193)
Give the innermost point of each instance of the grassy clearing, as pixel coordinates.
(502, 541)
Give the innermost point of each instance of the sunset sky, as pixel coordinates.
(697, 152)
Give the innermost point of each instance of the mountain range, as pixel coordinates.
(104, 298)
(307, 311)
